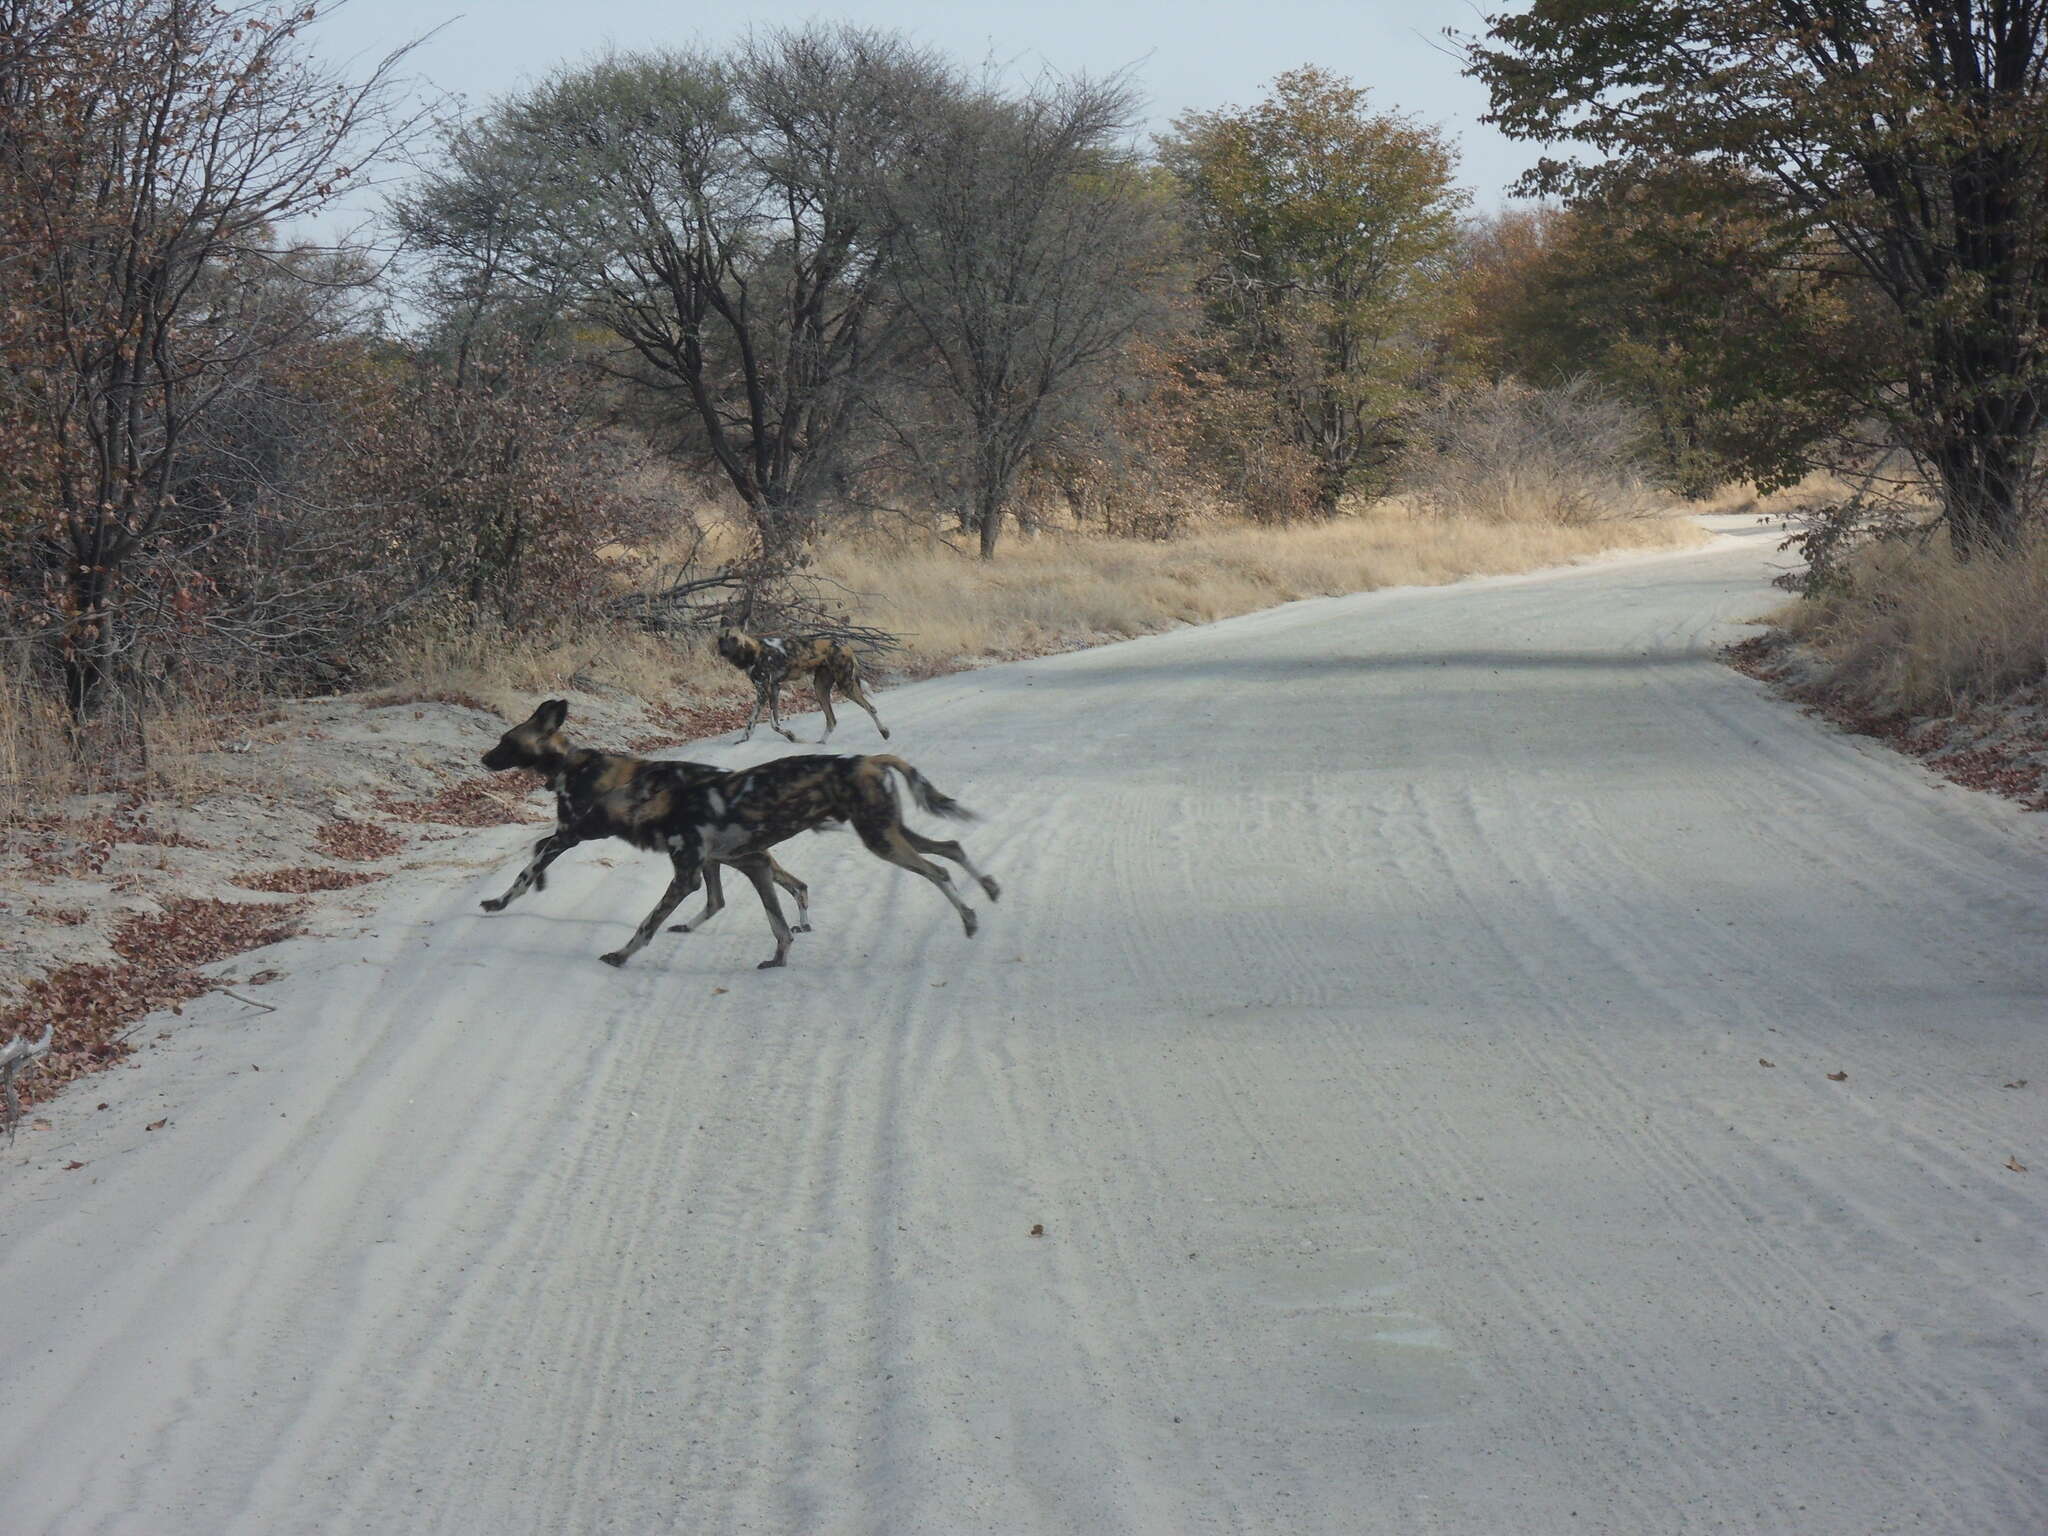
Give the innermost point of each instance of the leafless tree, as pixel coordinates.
(716, 215)
(152, 149)
(1028, 245)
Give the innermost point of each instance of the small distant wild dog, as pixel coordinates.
(769, 660)
(702, 818)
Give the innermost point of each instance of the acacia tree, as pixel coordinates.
(148, 152)
(1912, 134)
(1027, 252)
(1328, 232)
(716, 216)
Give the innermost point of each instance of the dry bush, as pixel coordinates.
(1908, 629)
(1511, 454)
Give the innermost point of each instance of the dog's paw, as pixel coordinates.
(884, 730)
(995, 892)
(800, 928)
(494, 904)
(615, 959)
(772, 965)
(967, 921)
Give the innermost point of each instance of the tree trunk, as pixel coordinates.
(88, 646)
(1983, 466)
(991, 519)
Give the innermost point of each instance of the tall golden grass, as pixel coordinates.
(1067, 588)
(44, 757)
(1915, 631)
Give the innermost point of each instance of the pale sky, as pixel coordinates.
(1195, 55)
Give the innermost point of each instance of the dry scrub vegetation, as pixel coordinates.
(1060, 587)
(1943, 657)
(1914, 630)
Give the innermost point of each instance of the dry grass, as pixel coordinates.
(157, 755)
(35, 755)
(1062, 589)
(504, 672)
(1914, 631)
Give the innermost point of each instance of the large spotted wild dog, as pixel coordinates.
(704, 817)
(614, 770)
(770, 660)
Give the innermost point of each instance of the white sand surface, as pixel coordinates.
(1373, 1020)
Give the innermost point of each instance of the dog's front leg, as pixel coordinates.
(714, 902)
(775, 711)
(534, 876)
(760, 699)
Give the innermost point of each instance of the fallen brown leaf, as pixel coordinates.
(1762, 1063)
(2019, 1084)
(2015, 1165)
(157, 1125)
(39, 1125)
(1838, 1077)
(1038, 1229)
(69, 1166)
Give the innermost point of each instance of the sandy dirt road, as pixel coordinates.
(1374, 1020)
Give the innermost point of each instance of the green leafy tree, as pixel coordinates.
(1741, 349)
(1911, 136)
(1327, 231)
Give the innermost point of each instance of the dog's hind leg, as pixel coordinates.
(689, 875)
(851, 687)
(953, 851)
(758, 871)
(545, 852)
(796, 888)
(821, 681)
(890, 842)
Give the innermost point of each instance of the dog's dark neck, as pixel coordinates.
(556, 767)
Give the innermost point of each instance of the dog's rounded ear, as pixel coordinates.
(549, 716)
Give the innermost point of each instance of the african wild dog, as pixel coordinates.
(770, 660)
(578, 774)
(701, 818)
